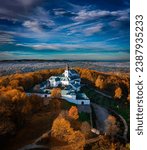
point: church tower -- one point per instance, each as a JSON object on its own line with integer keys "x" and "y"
{"x": 66, "y": 73}
{"x": 67, "y": 67}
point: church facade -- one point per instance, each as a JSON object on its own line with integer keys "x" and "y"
{"x": 70, "y": 77}
{"x": 69, "y": 82}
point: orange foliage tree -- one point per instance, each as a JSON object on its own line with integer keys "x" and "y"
{"x": 73, "y": 112}
{"x": 100, "y": 82}
{"x": 86, "y": 129}
{"x": 86, "y": 74}
{"x": 55, "y": 104}
{"x": 118, "y": 93}
{"x": 36, "y": 102}
{"x": 78, "y": 139}
{"x": 14, "y": 83}
{"x": 128, "y": 98}
{"x": 15, "y": 105}
{"x": 61, "y": 129}
{"x": 111, "y": 126}
{"x": 56, "y": 92}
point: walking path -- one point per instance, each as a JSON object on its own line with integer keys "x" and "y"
{"x": 106, "y": 95}
{"x": 125, "y": 124}
{"x": 34, "y": 146}
{"x": 101, "y": 115}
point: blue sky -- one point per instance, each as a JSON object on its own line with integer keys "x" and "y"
{"x": 65, "y": 29}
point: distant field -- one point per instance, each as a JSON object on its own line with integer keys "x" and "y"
{"x": 10, "y": 67}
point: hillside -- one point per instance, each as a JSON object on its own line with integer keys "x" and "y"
{"x": 19, "y": 112}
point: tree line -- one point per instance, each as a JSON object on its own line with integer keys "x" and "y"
{"x": 15, "y": 105}
{"x": 116, "y": 85}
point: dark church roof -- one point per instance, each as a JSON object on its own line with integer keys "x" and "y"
{"x": 73, "y": 71}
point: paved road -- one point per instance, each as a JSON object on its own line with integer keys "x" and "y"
{"x": 101, "y": 116}
{"x": 84, "y": 108}
{"x": 34, "y": 146}
{"x": 106, "y": 95}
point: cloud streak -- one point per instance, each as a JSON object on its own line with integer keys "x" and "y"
{"x": 93, "y": 46}
{"x": 92, "y": 30}
{"x": 86, "y": 15}
{"x": 32, "y": 25}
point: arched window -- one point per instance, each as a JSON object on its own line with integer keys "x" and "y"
{"x": 82, "y": 103}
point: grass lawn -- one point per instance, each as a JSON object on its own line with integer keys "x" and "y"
{"x": 66, "y": 105}
{"x": 83, "y": 116}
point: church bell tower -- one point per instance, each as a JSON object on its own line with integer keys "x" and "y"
{"x": 67, "y": 71}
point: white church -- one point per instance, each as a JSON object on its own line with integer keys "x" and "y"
{"x": 70, "y": 84}
{"x": 69, "y": 78}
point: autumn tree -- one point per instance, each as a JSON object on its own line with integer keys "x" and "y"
{"x": 36, "y": 88}
{"x": 86, "y": 129}
{"x": 118, "y": 93}
{"x": 56, "y": 92}
{"x": 36, "y": 102}
{"x": 14, "y": 95}
{"x": 61, "y": 129}
{"x": 103, "y": 143}
{"x": 78, "y": 139}
{"x": 106, "y": 143}
{"x": 27, "y": 108}
{"x": 7, "y": 125}
{"x": 86, "y": 74}
{"x": 64, "y": 114}
{"x": 55, "y": 104}
{"x": 128, "y": 98}
{"x": 14, "y": 83}
{"x": 73, "y": 112}
{"x": 12, "y": 101}
{"x": 100, "y": 82}
{"x": 5, "y": 81}
{"x": 111, "y": 126}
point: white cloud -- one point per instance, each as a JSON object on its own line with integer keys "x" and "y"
{"x": 87, "y": 29}
{"x": 85, "y": 15}
{"x": 32, "y": 25}
{"x": 17, "y": 9}
{"x": 43, "y": 17}
{"x": 6, "y": 39}
{"x": 114, "y": 24}
{"x": 59, "y": 11}
{"x": 93, "y": 46}
{"x": 39, "y": 18}
{"x": 92, "y": 30}
{"x": 67, "y": 26}
{"x": 6, "y": 55}
{"x": 123, "y": 18}
{"x": 114, "y": 38}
